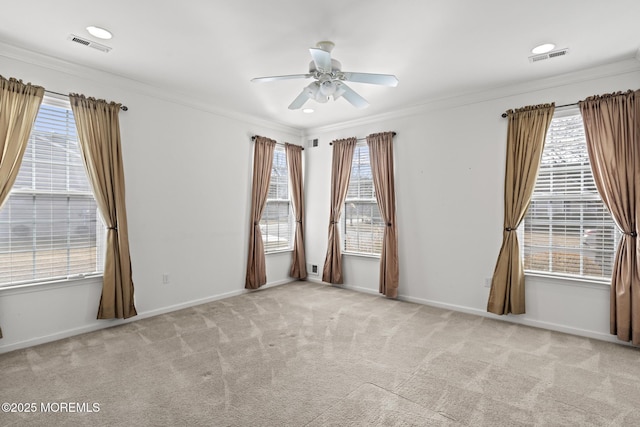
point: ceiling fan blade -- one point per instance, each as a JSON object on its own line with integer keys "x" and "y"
{"x": 300, "y": 100}
{"x": 274, "y": 78}
{"x": 351, "y": 96}
{"x": 322, "y": 59}
{"x": 374, "y": 79}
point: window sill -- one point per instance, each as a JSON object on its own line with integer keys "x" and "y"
{"x": 360, "y": 255}
{"x": 279, "y": 251}
{"x": 571, "y": 280}
{"x": 50, "y": 284}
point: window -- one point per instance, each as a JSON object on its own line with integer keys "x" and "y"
{"x": 567, "y": 229}
{"x": 50, "y": 228}
{"x": 276, "y": 223}
{"x": 362, "y": 224}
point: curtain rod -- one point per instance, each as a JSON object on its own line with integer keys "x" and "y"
{"x": 253, "y": 138}
{"x": 122, "y": 107}
{"x": 364, "y": 139}
{"x": 557, "y": 106}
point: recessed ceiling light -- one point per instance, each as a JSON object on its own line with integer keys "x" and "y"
{"x": 307, "y": 110}
{"x": 543, "y": 48}
{"x": 100, "y": 33}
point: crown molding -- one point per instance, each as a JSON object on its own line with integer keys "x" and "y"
{"x": 97, "y": 76}
{"x": 101, "y": 77}
{"x": 626, "y": 66}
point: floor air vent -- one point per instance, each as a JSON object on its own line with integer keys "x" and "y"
{"x": 89, "y": 43}
{"x": 549, "y": 55}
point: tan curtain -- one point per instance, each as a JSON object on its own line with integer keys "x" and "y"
{"x": 612, "y": 130}
{"x": 19, "y": 105}
{"x": 526, "y": 134}
{"x": 99, "y": 139}
{"x": 381, "y": 155}
{"x": 340, "y": 174}
{"x": 294, "y": 164}
{"x": 262, "y": 164}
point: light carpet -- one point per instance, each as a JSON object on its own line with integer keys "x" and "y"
{"x": 306, "y": 354}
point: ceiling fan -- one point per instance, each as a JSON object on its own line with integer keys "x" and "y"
{"x": 329, "y": 79}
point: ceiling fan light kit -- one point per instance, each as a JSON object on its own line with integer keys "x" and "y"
{"x": 329, "y": 79}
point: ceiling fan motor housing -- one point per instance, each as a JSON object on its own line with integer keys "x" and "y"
{"x": 336, "y": 66}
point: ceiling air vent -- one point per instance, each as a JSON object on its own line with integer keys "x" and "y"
{"x": 549, "y": 55}
{"x": 89, "y": 43}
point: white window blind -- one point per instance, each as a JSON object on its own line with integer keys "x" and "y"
{"x": 276, "y": 223}
{"x": 50, "y": 228}
{"x": 567, "y": 229}
{"x": 362, "y": 224}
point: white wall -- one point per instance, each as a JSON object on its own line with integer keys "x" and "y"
{"x": 449, "y": 161}
{"x": 188, "y": 178}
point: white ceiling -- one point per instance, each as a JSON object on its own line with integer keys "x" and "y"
{"x": 209, "y": 50}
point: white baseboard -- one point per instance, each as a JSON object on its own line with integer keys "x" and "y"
{"x": 272, "y": 284}
{"x": 103, "y": 324}
{"x": 359, "y": 289}
{"x": 469, "y": 310}
{"x": 507, "y": 318}
{"x": 516, "y": 319}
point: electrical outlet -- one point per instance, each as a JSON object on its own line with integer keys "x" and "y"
{"x": 165, "y": 278}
